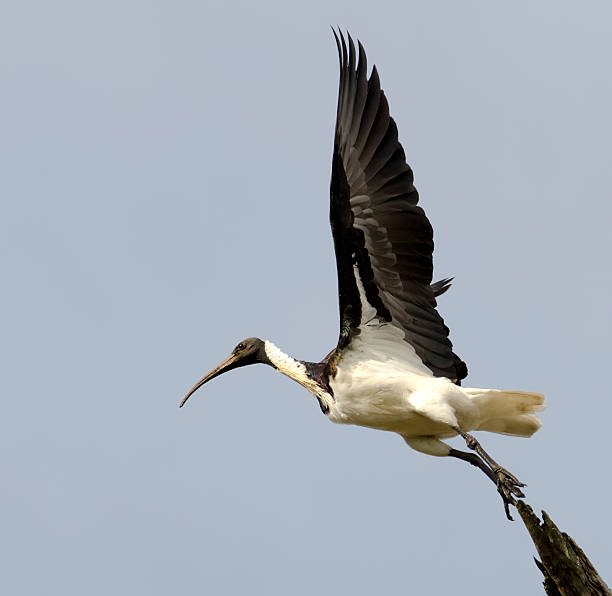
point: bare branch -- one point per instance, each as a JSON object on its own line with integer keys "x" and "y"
{"x": 567, "y": 570}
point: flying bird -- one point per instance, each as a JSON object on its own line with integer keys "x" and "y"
{"x": 393, "y": 367}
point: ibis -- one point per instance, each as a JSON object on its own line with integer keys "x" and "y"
{"x": 393, "y": 368}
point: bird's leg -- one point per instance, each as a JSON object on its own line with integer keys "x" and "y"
{"x": 501, "y": 473}
{"x": 473, "y": 459}
{"x": 507, "y": 484}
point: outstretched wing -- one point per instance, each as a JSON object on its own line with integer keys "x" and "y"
{"x": 383, "y": 240}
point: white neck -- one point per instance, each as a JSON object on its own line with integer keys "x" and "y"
{"x": 295, "y": 370}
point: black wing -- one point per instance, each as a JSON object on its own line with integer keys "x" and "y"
{"x": 383, "y": 240}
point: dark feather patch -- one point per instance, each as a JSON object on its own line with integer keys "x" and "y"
{"x": 377, "y": 225}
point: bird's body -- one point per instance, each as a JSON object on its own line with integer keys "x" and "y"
{"x": 388, "y": 396}
{"x": 379, "y": 385}
{"x": 393, "y": 367}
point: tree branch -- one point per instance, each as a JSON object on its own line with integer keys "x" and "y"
{"x": 567, "y": 570}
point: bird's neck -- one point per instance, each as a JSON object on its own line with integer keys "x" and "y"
{"x": 287, "y": 365}
{"x": 296, "y": 370}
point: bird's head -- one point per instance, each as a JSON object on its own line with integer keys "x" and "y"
{"x": 249, "y": 351}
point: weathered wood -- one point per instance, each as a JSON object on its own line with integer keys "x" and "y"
{"x": 567, "y": 570}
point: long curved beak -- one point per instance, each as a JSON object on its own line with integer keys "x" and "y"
{"x": 227, "y": 364}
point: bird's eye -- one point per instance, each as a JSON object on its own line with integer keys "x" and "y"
{"x": 240, "y": 346}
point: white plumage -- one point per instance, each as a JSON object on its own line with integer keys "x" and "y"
{"x": 379, "y": 385}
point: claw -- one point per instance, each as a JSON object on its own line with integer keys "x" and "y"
{"x": 507, "y": 510}
{"x": 508, "y": 485}
{"x": 501, "y": 472}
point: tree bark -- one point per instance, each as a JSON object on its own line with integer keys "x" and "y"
{"x": 567, "y": 570}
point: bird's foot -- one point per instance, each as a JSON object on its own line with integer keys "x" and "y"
{"x": 508, "y": 486}
{"x": 509, "y": 481}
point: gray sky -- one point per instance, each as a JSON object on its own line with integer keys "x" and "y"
{"x": 164, "y": 185}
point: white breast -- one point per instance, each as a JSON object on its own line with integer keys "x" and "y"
{"x": 381, "y": 383}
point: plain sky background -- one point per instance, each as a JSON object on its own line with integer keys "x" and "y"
{"x": 164, "y": 175}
